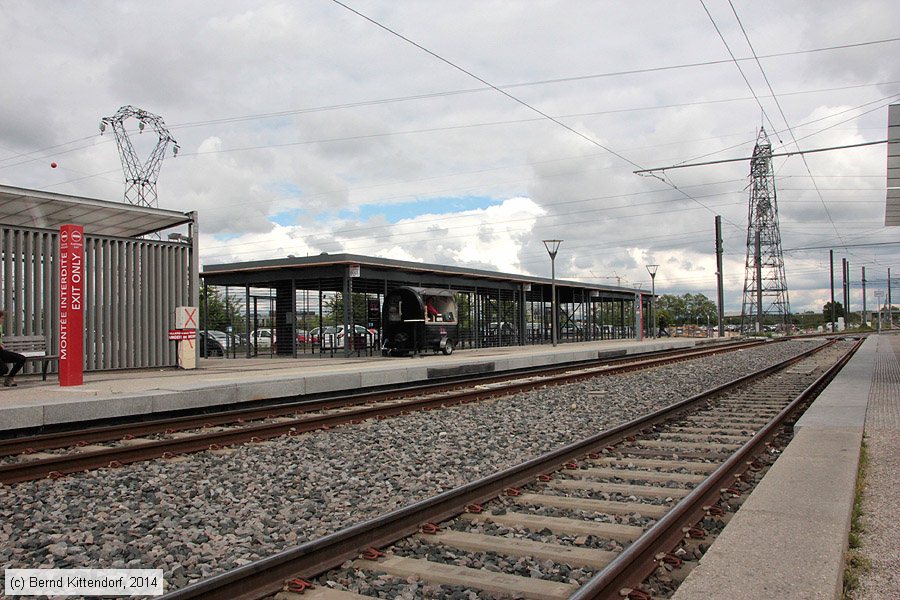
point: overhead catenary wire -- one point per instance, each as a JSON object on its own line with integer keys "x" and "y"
{"x": 747, "y": 158}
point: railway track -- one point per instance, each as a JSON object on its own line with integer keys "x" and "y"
{"x": 59, "y": 454}
{"x": 590, "y": 520}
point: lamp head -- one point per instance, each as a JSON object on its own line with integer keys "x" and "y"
{"x": 552, "y": 247}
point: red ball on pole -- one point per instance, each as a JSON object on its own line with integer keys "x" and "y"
{"x": 52, "y": 165}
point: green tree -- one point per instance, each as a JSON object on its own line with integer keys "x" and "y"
{"x": 838, "y": 311}
{"x": 216, "y": 313}
{"x": 673, "y": 307}
{"x": 686, "y": 309}
{"x": 333, "y": 309}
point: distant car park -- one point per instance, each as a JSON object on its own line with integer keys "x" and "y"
{"x": 333, "y": 337}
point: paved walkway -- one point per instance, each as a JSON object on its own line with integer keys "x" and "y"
{"x": 789, "y": 537}
{"x": 881, "y": 498}
{"x": 219, "y": 381}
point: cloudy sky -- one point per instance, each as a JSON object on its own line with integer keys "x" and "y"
{"x": 305, "y": 127}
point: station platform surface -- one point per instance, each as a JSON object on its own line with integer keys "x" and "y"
{"x": 229, "y": 381}
{"x": 788, "y": 539}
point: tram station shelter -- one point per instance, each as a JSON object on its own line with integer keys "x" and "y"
{"x": 134, "y": 278}
{"x": 292, "y": 296}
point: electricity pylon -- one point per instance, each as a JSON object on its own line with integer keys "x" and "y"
{"x": 765, "y": 286}
{"x": 140, "y": 179}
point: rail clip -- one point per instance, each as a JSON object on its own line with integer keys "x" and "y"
{"x": 694, "y": 533}
{"x": 372, "y": 554}
{"x": 430, "y": 528}
{"x": 298, "y": 586}
{"x": 669, "y": 559}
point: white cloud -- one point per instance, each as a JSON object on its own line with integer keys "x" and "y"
{"x": 335, "y": 141}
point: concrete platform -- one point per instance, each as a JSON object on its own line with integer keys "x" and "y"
{"x": 220, "y": 381}
{"x": 789, "y": 537}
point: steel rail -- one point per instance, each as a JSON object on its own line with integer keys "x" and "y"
{"x": 116, "y": 456}
{"x": 638, "y": 560}
{"x": 266, "y": 576}
{"x": 294, "y": 404}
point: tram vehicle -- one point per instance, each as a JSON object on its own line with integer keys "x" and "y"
{"x": 418, "y": 319}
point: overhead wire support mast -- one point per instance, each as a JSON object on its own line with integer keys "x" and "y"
{"x": 140, "y": 179}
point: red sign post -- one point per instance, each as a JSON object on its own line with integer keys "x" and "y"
{"x": 71, "y": 305}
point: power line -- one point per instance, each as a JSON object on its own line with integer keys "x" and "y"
{"x": 879, "y": 101}
{"x": 828, "y": 247}
{"x": 485, "y": 124}
{"x": 518, "y": 100}
{"x": 738, "y": 65}
{"x": 446, "y": 93}
{"x": 784, "y": 117}
{"x": 464, "y": 226}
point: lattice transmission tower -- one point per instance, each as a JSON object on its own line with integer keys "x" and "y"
{"x": 140, "y": 178}
{"x": 765, "y": 286}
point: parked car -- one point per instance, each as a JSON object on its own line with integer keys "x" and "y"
{"x": 210, "y": 346}
{"x": 262, "y": 338}
{"x": 316, "y": 333}
{"x": 221, "y": 337}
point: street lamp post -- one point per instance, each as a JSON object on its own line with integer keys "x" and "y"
{"x": 552, "y": 247}
{"x": 652, "y": 270}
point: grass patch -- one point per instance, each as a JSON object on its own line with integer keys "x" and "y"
{"x": 854, "y": 563}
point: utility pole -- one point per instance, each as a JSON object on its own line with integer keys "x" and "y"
{"x": 846, "y": 274}
{"x": 865, "y": 321}
{"x": 720, "y": 277}
{"x": 833, "y": 312}
{"x": 890, "y": 314}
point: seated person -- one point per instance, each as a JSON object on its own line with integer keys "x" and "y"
{"x": 430, "y": 310}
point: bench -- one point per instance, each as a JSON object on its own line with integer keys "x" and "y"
{"x": 32, "y": 347}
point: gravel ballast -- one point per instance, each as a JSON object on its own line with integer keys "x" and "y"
{"x": 206, "y": 513}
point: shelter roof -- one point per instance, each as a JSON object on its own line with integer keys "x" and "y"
{"x": 288, "y": 268}
{"x": 21, "y": 207}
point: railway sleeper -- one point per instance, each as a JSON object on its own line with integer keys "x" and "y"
{"x": 708, "y": 436}
{"x": 610, "y": 507}
{"x": 639, "y": 491}
{"x": 559, "y": 525}
{"x": 637, "y": 475}
{"x": 695, "y": 467}
{"x": 443, "y": 574}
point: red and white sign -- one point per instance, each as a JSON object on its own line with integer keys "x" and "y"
{"x": 71, "y": 305}
{"x": 178, "y": 335}
{"x": 186, "y": 317}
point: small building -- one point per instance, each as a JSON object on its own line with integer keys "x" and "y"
{"x": 290, "y": 295}
{"x": 133, "y": 281}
